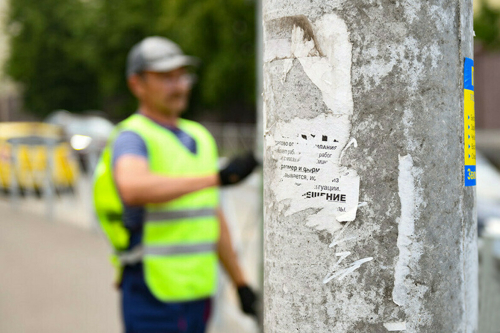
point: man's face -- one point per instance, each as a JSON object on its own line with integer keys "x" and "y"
{"x": 167, "y": 93}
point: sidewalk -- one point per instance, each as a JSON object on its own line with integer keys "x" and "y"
{"x": 489, "y": 288}
{"x": 55, "y": 278}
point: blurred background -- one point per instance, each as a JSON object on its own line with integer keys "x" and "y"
{"x": 62, "y": 89}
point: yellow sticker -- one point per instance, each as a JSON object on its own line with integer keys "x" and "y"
{"x": 469, "y": 125}
{"x": 469, "y": 128}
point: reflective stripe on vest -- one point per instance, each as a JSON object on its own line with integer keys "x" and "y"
{"x": 179, "y": 214}
{"x": 135, "y": 255}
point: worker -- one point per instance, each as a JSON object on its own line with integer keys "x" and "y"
{"x": 156, "y": 197}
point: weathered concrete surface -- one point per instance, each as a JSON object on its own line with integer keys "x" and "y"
{"x": 416, "y": 220}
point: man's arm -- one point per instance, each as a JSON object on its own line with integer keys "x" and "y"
{"x": 139, "y": 186}
{"x": 230, "y": 262}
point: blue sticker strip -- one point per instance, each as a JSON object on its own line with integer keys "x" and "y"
{"x": 469, "y": 74}
{"x": 470, "y": 175}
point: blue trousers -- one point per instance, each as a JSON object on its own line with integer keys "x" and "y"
{"x": 144, "y": 313}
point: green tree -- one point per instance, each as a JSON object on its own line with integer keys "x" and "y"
{"x": 120, "y": 24}
{"x": 72, "y": 54}
{"x": 221, "y": 33}
{"x": 487, "y": 26}
{"x": 48, "y": 55}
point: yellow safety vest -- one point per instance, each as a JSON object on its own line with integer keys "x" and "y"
{"x": 178, "y": 248}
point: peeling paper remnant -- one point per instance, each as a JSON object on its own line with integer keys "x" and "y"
{"x": 308, "y": 152}
{"x": 287, "y": 66}
{"x": 326, "y": 58}
{"x": 395, "y": 326}
{"x": 341, "y": 274}
{"x": 327, "y": 64}
{"x": 406, "y": 229}
{"x": 406, "y": 292}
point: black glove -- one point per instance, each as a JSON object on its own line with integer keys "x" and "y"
{"x": 248, "y": 300}
{"x": 238, "y": 169}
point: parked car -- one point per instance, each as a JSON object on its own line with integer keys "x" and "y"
{"x": 87, "y": 133}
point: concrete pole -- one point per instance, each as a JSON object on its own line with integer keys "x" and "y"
{"x": 259, "y": 74}
{"x": 259, "y": 146}
{"x": 369, "y": 226}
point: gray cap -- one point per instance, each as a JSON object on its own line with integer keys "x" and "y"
{"x": 157, "y": 54}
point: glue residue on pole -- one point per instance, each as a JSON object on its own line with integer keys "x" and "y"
{"x": 406, "y": 293}
{"x": 308, "y": 151}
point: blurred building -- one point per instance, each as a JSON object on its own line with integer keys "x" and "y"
{"x": 486, "y": 92}
{"x": 486, "y": 76}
